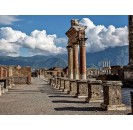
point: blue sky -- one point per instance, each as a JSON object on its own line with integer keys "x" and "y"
{"x": 58, "y": 25}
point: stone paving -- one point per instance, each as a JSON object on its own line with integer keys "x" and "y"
{"x": 39, "y": 98}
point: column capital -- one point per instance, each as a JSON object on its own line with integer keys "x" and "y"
{"x": 82, "y": 41}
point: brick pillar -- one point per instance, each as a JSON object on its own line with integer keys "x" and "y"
{"x": 112, "y": 96}
{"x": 75, "y": 61}
{"x": 82, "y": 59}
{"x": 70, "y": 62}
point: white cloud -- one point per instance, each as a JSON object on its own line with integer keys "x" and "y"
{"x": 8, "y": 19}
{"x": 38, "y": 42}
{"x": 41, "y": 43}
{"x": 100, "y": 37}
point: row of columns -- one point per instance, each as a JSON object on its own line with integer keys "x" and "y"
{"x": 108, "y": 93}
{"x": 73, "y": 66}
{"x": 76, "y": 35}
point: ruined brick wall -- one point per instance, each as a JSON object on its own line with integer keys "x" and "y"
{"x": 20, "y": 80}
{"x": 22, "y": 75}
{"x": 3, "y": 72}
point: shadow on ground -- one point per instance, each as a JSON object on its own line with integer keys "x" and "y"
{"x": 61, "y": 96}
{"x": 79, "y": 109}
{"x": 66, "y": 101}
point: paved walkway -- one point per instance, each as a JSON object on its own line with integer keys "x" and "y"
{"x": 39, "y": 98}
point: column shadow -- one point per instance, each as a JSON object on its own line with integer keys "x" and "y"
{"x": 79, "y": 109}
{"x": 66, "y": 101}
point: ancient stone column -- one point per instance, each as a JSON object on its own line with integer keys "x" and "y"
{"x": 82, "y": 59}
{"x": 70, "y": 62}
{"x": 75, "y": 61}
{"x": 112, "y": 96}
{"x": 130, "y": 38}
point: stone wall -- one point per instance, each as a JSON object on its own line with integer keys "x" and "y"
{"x": 20, "y": 80}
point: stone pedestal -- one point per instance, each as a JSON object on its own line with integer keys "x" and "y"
{"x": 50, "y": 81}
{"x": 73, "y": 87}
{"x": 66, "y": 85}
{"x": 61, "y": 84}
{"x": 132, "y": 101}
{"x": 82, "y": 89}
{"x": 112, "y": 96}
{"x": 95, "y": 91}
{"x": 55, "y": 82}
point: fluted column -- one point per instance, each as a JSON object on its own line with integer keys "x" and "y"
{"x": 82, "y": 59}
{"x": 70, "y": 62}
{"x": 75, "y": 61}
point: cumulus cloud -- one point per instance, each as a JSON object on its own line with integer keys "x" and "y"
{"x": 8, "y": 19}
{"x": 38, "y": 42}
{"x": 101, "y": 37}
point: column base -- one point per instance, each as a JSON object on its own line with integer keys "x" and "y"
{"x": 93, "y": 100}
{"x": 83, "y": 77}
{"x": 71, "y": 76}
{"x": 81, "y": 96}
{"x": 120, "y": 107}
{"x": 73, "y": 93}
{"x": 65, "y": 90}
{"x": 76, "y": 77}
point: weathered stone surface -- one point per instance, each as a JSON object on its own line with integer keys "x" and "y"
{"x": 73, "y": 87}
{"x": 20, "y": 80}
{"x": 58, "y": 82}
{"x": 95, "y": 91}
{"x": 66, "y": 85}
{"x": 61, "y": 84}
{"x": 82, "y": 89}
{"x": 112, "y": 96}
{"x": 70, "y": 62}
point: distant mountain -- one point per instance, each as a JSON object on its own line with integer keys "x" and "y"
{"x": 116, "y": 55}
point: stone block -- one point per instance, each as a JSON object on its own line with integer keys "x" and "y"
{"x": 112, "y": 96}
{"x": 58, "y": 82}
{"x": 95, "y": 91}
{"x": 73, "y": 87}
{"x": 61, "y": 84}
{"x": 66, "y": 85}
{"x": 82, "y": 89}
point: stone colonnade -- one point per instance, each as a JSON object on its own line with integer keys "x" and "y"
{"x": 108, "y": 93}
{"x": 76, "y": 35}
